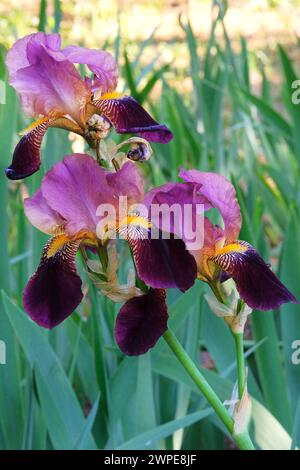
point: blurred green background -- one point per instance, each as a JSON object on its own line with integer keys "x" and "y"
{"x": 219, "y": 74}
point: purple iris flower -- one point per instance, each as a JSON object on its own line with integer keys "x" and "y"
{"x": 53, "y": 92}
{"x": 65, "y": 207}
{"x": 223, "y": 255}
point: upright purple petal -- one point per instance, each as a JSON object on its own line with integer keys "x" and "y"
{"x": 257, "y": 284}
{"x": 141, "y": 322}
{"x": 74, "y": 188}
{"x": 54, "y": 291}
{"x": 52, "y": 41}
{"x": 101, "y": 63}
{"x": 128, "y": 182}
{"x": 26, "y": 158}
{"x": 18, "y": 57}
{"x": 128, "y": 116}
{"x": 172, "y": 193}
{"x": 41, "y": 215}
{"x": 48, "y": 85}
{"x": 178, "y": 208}
{"x": 222, "y": 196}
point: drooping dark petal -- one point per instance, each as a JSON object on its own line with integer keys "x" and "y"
{"x": 163, "y": 262}
{"x": 128, "y": 116}
{"x": 54, "y": 291}
{"x": 141, "y": 322}
{"x": 258, "y": 286}
{"x": 26, "y": 157}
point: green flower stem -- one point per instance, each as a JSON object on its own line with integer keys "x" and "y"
{"x": 98, "y": 156}
{"x": 243, "y": 440}
{"x": 239, "y": 344}
{"x": 239, "y": 347}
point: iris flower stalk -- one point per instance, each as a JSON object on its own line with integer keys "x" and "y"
{"x": 66, "y": 208}
{"x": 236, "y": 323}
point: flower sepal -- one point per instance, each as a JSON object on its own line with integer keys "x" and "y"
{"x": 139, "y": 151}
{"x": 235, "y": 311}
{"x": 240, "y": 410}
{"x": 107, "y": 280}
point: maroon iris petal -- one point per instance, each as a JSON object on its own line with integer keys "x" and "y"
{"x": 224, "y": 276}
{"x": 141, "y": 322}
{"x": 54, "y": 291}
{"x": 128, "y": 116}
{"x": 26, "y": 158}
{"x": 164, "y": 263}
{"x": 258, "y": 286}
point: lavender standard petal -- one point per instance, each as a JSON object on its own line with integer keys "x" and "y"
{"x": 221, "y": 195}
{"x": 101, "y": 63}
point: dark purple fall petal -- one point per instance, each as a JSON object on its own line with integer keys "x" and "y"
{"x": 164, "y": 263}
{"x": 141, "y": 322}
{"x": 258, "y": 286}
{"x": 26, "y": 157}
{"x": 128, "y": 116}
{"x": 54, "y": 291}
